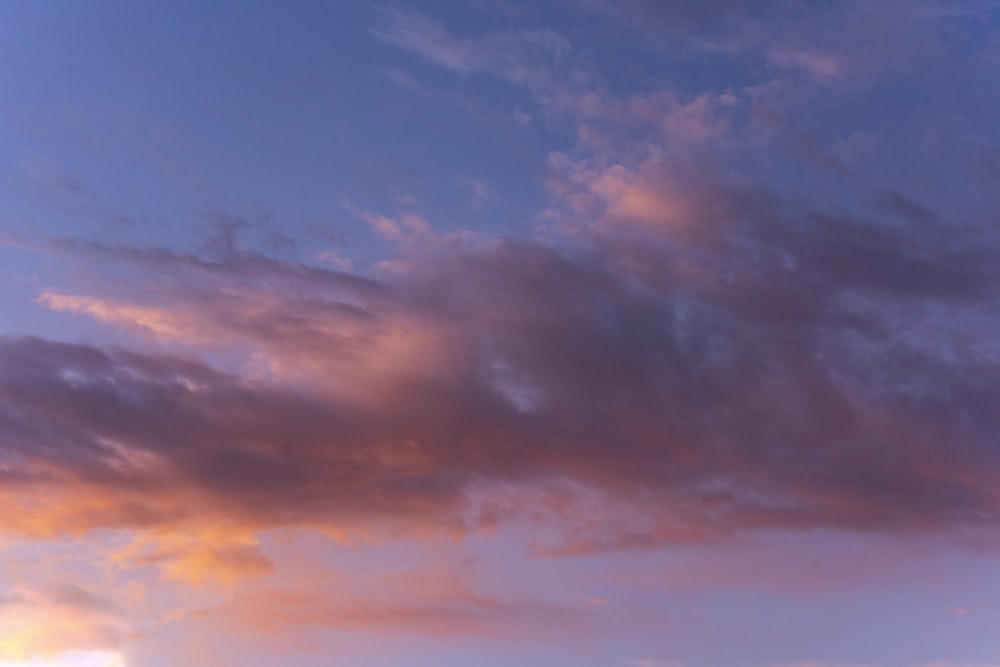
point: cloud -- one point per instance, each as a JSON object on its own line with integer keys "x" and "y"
{"x": 683, "y": 395}
{"x": 541, "y": 60}
{"x": 319, "y": 604}
{"x": 652, "y": 662}
{"x": 479, "y": 191}
{"x": 414, "y": 31}
{"x": 759, "y": 314}
{"x": 818, "y": 65}
{"x": 207, "y": 554}
{"x": 48, "y": 621}
{"x": 852, "y": 45}
{"x": 737, "y": 326}
{"x": 721, "y": 342}
{"x": 278, "y": 612}
{"x": 408, "y": 226}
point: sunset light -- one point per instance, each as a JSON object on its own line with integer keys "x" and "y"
{"x": 70, "y": 659}
{"x": 500, "y": 333}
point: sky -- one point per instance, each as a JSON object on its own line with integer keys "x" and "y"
{"x": 575, "y": 333}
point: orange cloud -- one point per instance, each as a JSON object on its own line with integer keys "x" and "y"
{"x": 38, "y": 623}
{"x": 155, "y": 320}
{"x": 681, "y": 386}
{"x": 212, "y": 554}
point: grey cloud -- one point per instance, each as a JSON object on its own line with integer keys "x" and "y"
{"x": 774, "y": 400}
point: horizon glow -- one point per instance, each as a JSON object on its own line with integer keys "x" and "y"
{"x": 70, "y": 659}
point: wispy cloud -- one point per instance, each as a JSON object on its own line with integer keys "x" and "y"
{"x": 417, "y": 32}
{"x": 480, "y": 192}
{"x": 397, "y": 375}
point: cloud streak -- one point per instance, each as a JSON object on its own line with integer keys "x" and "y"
{"x": 699, "y": 397}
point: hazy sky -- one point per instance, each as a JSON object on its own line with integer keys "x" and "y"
{"x": 582, "y": 333}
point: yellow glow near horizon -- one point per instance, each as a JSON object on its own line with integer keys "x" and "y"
{"x": 70, "y": 659}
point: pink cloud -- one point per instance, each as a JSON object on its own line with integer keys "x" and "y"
{"x": 46, "y": 622}
{"x": 683, "y": 397}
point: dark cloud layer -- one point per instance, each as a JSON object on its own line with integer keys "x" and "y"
{"x": 741, "y": 322}
{"x": 802, "y": 374}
